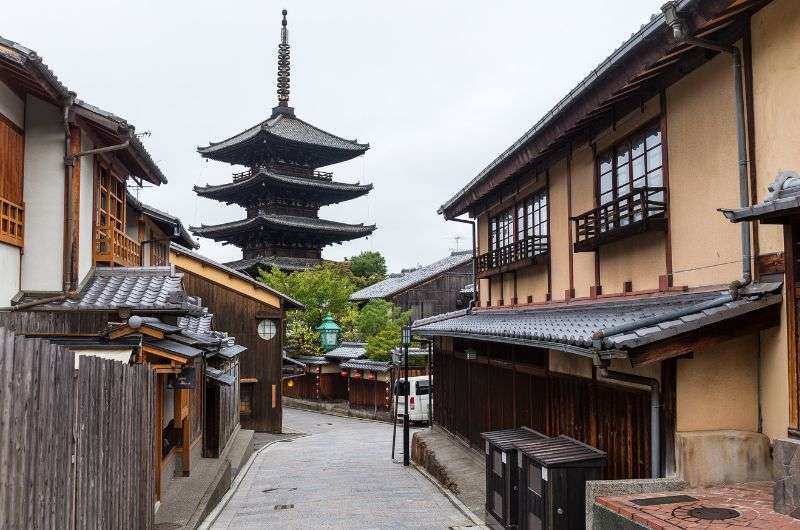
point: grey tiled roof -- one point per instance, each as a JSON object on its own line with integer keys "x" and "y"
{"x": 139, "y": 288}
{"x": 311, "y": 359}
{"x": 348, "y": 350}
{"x": 288, "y": 128}
{"x": 157, "y": 215}
{"x": 251, "y": 265}
{"x": 782, "y": 201}
{"x": 394, "y": 284}
{"x": 290, "y": 302}
{"x": 196, "y": 324}
{"x": 366, "y": 364}
{"x": 342, "y": 231}
{"x": 326, "y": 191}
{"x": 574, "y": 325}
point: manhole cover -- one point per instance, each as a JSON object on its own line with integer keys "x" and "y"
{"x": 669, "y": 499}
{"x": 706, "y": 513}
{"x": 283, "y": 506}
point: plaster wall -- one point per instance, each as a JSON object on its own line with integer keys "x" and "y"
{"x": 582, "y": 187}
{"x": 717, "y": 389}
{"x": 86, "y": 219}
{"x": 703, "y": 173}
{"x": 42, "y": 262}
{"x": 774, "y": 378}
{"x": 11, "y": 106}
{"x": 776, "y": 73}
{"x": 639, "y": 259}
{"x": 9, "y": 279}
{"x": 532, "y": 281}
{"x": 559, "y": 230}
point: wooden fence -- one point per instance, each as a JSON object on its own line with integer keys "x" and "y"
{"x": 76, "y": 449}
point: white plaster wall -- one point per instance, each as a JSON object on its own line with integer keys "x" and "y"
{"x": 85, "y": 244}
{"x": 42, "y": 262}
{"x": 9, "y": 273}
{"x": 11, "y": 106}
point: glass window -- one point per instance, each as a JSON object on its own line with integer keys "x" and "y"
{"x": 501, "y": 229}
{"x": 423, "y": 388}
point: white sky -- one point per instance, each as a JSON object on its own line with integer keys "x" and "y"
{"x": 438, "y": 89}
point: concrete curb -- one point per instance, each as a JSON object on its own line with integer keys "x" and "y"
{"x": 452, "y": 498}
{"x": 215, "y": 513}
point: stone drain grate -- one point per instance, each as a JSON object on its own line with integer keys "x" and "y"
{"x": 706, "y": 513}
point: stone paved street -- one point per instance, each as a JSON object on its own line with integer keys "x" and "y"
{"x": 339, "y": 476}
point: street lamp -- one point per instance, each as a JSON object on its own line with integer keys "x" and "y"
{"x": 405, "y": 340}
{"x": 329, "y": 333}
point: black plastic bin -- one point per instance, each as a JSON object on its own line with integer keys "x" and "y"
{"x": 501, "y": 472}
{"x": 552, "y": 482}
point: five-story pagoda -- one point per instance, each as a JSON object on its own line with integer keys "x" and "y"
{"x": 282, "y": 191}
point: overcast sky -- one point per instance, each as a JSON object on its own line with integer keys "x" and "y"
{"x": 437, "y": 88}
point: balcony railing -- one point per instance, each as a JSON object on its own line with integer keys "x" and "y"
{"x": 528, "y": 251}
{"x": 243, "y": 175}
{"x": 115, "y": 248}
{"x": 12, "y": 223}
{"x": 640, "y": 211}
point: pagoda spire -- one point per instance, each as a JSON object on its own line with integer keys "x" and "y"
{"x": 283, "y": 65}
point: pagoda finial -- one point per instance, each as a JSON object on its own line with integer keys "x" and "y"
{"x": 283, "y": 65}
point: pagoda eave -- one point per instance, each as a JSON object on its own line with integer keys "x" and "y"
{"x": 281, "y": 227}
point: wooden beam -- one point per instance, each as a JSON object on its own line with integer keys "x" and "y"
{"x": 706, "y": 336}
{"x": 161, "y": 353}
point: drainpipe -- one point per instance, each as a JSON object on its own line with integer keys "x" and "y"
{"x": 474, "y": 262}
{"x": 681, "y": 34}
{"x": 69, "y": 164}
{"x": 655, "y": 411}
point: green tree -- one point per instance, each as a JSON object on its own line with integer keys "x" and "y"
{"x": 368, "y": 267}
{"x": 380, "y": 345}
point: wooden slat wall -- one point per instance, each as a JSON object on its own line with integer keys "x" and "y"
{"x": 12, "y": 146}
{"x": 475, "y": 396}
{"x": 236, "y": 314}
{"x": 229, "y": 406}
{"x": 303, "y": 387}
{"x": 114, "y": 458}
{"x": 332, "y": 387}
{"x": 58, "y": 322}
{"x": 109, "y": 407}
{"x": 364, "y": 394}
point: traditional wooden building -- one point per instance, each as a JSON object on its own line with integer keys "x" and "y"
{"x": 282, "y": 189}
{"x": 254, "y": 313}
{"x": 615, "y": 304}
{"x": 425, "y": 291}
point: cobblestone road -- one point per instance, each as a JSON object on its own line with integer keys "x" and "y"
{"x": 339, "y": 475}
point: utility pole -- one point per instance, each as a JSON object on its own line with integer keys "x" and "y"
{"x": 406, "y": 387}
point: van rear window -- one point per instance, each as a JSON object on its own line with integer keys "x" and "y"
{"x": 423, "y": 388}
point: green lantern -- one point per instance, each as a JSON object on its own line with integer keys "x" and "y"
{"x": 329, "y": 333}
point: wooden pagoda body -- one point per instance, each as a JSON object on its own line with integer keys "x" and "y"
{"x": 282, "y": 191}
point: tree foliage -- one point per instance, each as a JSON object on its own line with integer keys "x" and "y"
{"x": 368, "y": 264}
{"x": 327, "y": 288}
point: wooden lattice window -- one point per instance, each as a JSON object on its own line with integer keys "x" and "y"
{"x": 12, "y": 214}
{"x": 110, "y": 201}
{"x": 501, "y": 229}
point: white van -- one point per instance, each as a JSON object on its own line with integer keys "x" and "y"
{"x": 418, "y": 398}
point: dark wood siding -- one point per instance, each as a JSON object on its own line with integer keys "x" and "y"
{"x": 305, "y": 386}
{"x": 495, "y": 392}
{"x": 371, "y": 395}
{"x": 437, "y": 295}
{"x": 237, "y": 314}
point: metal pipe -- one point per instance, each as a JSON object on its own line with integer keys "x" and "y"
{"x": 69, "y": 165}
{"x": 474, "y": 261}
{"x": 655, "y": 412}
{"x": 664, "y": 317}
{"x": 679, "y": 30}
{"x": 106, "y": 149}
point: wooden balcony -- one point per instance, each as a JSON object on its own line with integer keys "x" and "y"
{"x": 529, "y": 251}
{"x": 12, "y": 223}
{"x": 114, "y": 248}
{"x": 642, "y": 210}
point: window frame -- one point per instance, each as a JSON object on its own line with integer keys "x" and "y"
{"x": 526, "y": 218}
{"x": 612, "y": 153}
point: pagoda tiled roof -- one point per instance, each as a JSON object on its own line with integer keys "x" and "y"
{"x": 330, "y": 230}
{"x": 325, "y": 191}
{"x": 284, "y": 129}
{"x": 285, "y": 263}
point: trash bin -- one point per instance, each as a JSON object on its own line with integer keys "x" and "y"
{"x": 501, "y": 472}
{"x": 552, "y": 482}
